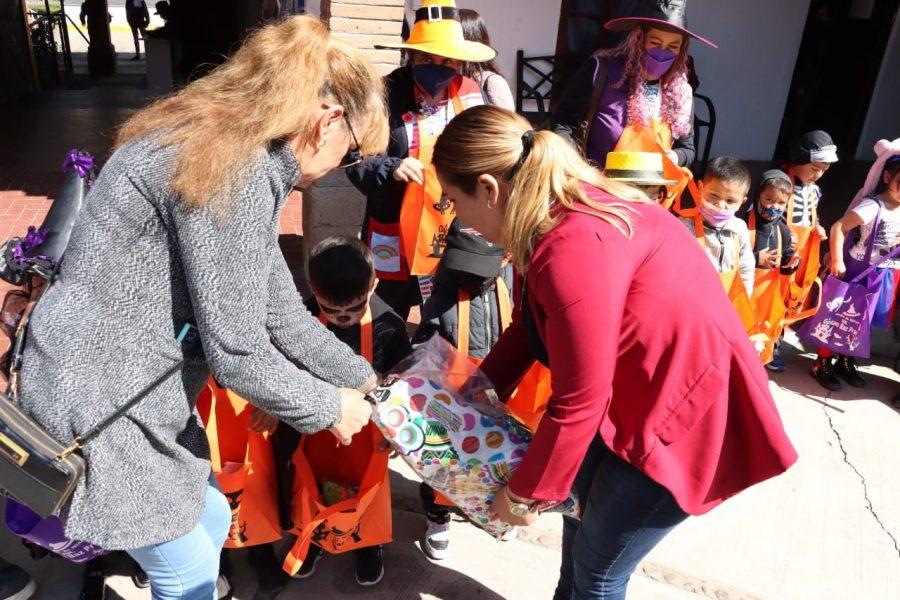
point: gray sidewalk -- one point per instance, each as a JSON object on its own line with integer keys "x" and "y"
{"x": 825, "y": 530}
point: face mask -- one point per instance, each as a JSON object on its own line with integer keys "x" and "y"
{"x": 433, "y": 78}
{"x": 771, "y": 213}
{"x": 657, "y": 61}
{"x": 715, "y": 217}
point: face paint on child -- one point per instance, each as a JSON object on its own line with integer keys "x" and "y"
{"x": 345, "y": 316}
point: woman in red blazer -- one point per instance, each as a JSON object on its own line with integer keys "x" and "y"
{"x": 660, "y": 406}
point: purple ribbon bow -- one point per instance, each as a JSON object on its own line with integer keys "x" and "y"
{"x": 21, "y": 253}
{"x": 82, "y": 162}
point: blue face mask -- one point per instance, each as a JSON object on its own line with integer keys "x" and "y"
{"x": 434, "y": 79}
{"x": 772, "y": 213}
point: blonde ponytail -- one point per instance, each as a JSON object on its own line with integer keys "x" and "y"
{"x": 489, "y": 140}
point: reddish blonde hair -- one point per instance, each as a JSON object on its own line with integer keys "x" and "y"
{"x": 266, "y": 91}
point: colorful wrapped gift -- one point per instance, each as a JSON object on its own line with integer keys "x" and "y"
{"x": 440, "y": 416}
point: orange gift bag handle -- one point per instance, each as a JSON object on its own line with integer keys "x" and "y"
{"x": 244, "y": 466}
{"x": 364, "y": 520}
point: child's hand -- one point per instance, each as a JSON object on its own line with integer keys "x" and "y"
{"x": 768, "y": 259}
{"x": 410, "y": 169}
{"x": 794, "y": 262}
{"x": 822, "y": 233}
{"x": 838, "y": 268}
{"x": 261, "y": 421}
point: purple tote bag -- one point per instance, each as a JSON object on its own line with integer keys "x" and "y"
{"x": 47, "y": 533}
{"x": 844, "y": 321}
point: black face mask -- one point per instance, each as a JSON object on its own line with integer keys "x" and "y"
{"x": 434, "y": 79}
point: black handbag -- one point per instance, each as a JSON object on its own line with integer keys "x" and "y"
{"x": 38, "y": 470}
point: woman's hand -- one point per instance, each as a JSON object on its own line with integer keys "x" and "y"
{"x": 261, "y": 421}
{"x": 673, "y": 156}
{"x": 410, "y": 169}
{"x": 822, "y": 233}
{"x": 499, "y": 509}
{"x": 355, "y": 413}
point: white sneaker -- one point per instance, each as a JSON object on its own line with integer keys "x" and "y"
{"x": 223, "y": 588}
{"x": 436, "y": 543}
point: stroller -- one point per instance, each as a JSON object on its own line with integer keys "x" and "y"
{"x": 32, "y": 262}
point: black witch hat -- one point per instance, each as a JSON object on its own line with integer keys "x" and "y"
{"x": 669, "y": 15}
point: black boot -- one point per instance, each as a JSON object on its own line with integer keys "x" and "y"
{"x": 93, "y": 586}
{"x": 845, "y": 368}
{"x": 823, "y": 372}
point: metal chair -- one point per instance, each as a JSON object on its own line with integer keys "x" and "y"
{"x": 534, "y": 85}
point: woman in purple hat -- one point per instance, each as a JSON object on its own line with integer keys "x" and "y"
{"x": 635, "y": 97}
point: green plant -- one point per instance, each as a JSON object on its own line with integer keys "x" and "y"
{"x": 39, "y": 7}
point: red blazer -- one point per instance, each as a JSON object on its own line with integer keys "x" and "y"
{"x": 644, "y": 348}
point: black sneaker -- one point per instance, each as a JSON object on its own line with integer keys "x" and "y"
{"x": 823, "y": 372}
{"x": 15, "y": 583}
{"x": 845, "y": 368}
{"x": 94, "y": 585}
{"x": 308, "y": 568}
{"x": 140, "y": 580}
{"x": 776, "y": 365}
{"x": 369, "y": 567}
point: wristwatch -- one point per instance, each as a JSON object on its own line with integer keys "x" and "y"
{"x": 518, "y": 509}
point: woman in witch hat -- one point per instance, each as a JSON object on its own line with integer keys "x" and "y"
{"x": 635, "y": 97}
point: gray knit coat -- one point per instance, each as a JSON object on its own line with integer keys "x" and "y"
{"x": 141, "y": 263}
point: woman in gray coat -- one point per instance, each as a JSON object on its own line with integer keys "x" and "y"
{"x": 182, "y": 227}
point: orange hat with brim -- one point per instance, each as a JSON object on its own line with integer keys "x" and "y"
{"x": 438, "y": 31}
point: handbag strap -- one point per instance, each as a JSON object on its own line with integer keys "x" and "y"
{"x": 599, "y": 84}
{"x": 870, "y": 243}
{"x": 97, "y": 429}
{"x": 894, "y": 253}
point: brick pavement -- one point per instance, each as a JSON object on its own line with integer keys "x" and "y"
{"x": 39, "y": 132}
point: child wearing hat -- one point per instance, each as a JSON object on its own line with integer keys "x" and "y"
{"x": 642, "y": 170}
{"x": 471, "y": 275}
{"x": 771, "y": 237}
{"x": 811, "y": 157}
{"x": 407, "y": 218}
{"x": 878, "y": 200}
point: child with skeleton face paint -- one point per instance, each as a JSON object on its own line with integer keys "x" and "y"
{"x": 341, "y": 273}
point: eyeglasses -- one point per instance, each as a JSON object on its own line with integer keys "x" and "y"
{"x": 353, "y": 156}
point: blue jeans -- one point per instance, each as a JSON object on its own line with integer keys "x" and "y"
{"x": 187, "y": 567}
{"x": 625, "y": 515}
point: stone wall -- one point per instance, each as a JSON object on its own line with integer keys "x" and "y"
{"x": 17, "y": 76}
{"x": 335, "y": 207}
